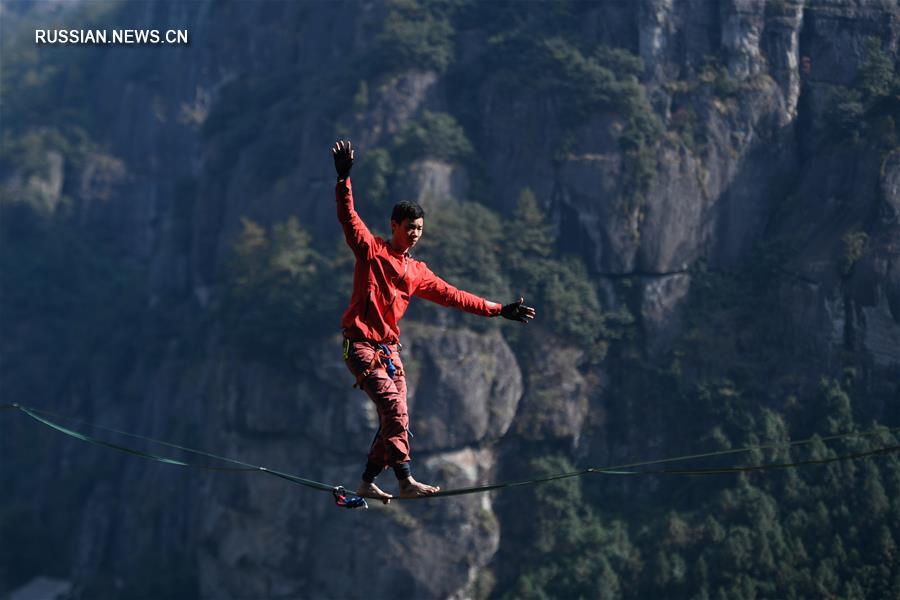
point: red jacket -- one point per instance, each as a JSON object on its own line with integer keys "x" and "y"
{"x": 384, "y": 280}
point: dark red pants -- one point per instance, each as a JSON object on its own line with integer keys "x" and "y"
{"x": 391, "y": 445}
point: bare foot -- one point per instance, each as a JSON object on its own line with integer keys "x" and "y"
{"x": 410, "y": 488}
{"x": 370, "y": 490}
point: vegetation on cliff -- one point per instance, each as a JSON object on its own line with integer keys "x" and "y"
{"x": 868, "y": 109}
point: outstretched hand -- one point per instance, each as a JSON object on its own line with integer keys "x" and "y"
{"x": 517, "y": 311}
{"x": 343, "y": 158}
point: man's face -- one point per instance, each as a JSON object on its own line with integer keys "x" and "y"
{"x": 405, "y": 234}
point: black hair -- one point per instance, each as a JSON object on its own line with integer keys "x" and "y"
{"x": 405, "y": 209}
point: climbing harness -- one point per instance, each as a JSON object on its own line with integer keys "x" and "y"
{"x": 381, "y": 360}
{"x": 346, "y": 499}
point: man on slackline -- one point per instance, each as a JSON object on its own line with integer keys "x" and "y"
{"x": 384, "y": 279}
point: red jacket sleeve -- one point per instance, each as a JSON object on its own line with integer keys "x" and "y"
{"x": 358, "y": 236}
{"x": 433, "y": 288}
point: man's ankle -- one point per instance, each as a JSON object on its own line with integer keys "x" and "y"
{"x": 371, "y": 472}
{"x": 401, "y": 470}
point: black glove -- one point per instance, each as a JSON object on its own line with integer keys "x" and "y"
{"x": 343, "y": 158}
{"x": 517, "y": 311}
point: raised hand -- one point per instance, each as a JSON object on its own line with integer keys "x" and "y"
{"x": 343, "y": 158}
{"x": 517, "y": 311}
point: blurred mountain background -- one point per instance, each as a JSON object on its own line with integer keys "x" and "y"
{"x": 702, "y": 199}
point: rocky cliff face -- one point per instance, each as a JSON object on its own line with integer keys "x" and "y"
{"x": 737, "y": 87}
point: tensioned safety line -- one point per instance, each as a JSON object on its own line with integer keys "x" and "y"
{"x": 244, "y": 466}
{"x": 721, "y": 471}
{"x": 623, "y": 469}
{"x": 626, "y": 468}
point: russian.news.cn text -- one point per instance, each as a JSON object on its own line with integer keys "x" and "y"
{"x": 111, "y": 36}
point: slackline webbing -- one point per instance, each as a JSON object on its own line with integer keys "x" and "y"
{"x": 623, "y": 469}
{"x": 31, "y": 412}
